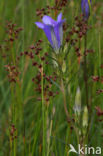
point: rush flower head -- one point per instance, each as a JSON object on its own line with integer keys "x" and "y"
{"x": 53, "y": 30}
{"x": 85, "y": 8}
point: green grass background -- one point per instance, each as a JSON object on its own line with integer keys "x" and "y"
{"x": 29, "y": 122}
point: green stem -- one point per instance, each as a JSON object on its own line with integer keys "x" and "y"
{"x": 13, "y": 145}
{"x": 86, "y": 86}
{"x": 43, "y": 114}
{"x": 64, "y": 99}
{"x": 50, "y": 130}
{"x": 85, "y": 71}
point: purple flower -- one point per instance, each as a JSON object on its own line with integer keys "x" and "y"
{"x": 85, "y": 8}
{"x": 53, "y": 30}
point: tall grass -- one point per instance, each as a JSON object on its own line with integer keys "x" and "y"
{"x": 40, "y": 126}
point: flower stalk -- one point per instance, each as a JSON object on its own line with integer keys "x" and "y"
{"x": 43, "y": 114}
{"x": 85, "y": 70}
{"x": 64, "y": 99}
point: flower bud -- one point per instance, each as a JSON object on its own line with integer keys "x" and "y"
{"x": 63, "y": 67}
{"x": 77, "y": 106}
{"x": 85, "y": 120}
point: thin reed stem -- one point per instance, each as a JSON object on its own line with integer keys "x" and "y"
{"x": 43, "y": 114}
{"x": 86, "y": 85}
{"x": 64, "y": 99}
{"x": 14, "y": 142}
{"x": 85, "y": 71}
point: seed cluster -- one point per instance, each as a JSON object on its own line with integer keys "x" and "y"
{"x": 8, "y": 53}
{"x": 13, "y": 31}
{"x": 99, "y": 113}
{"x": 37, "y": 58}
{"x": 13, "y": 73}
{"x": 12, "y": 34}
{"x": 98, "y": 79}
{"x": 48, "y": 79}
{"x": 59, "y": 5}
{"x": 38, "y": 61}
{"x": 13, "y": 132}
{"x": 47, "y": 85}
{"x": 77, "y": 33}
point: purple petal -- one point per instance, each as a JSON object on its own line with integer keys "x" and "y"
{"x": 54, "y": 40}
{"x": 53, "y": 30}
{"x": 58, "y": 29}
{"x": 47, "y": 29}
{"x": 40, "y": 25}
{"x": 50, "y": 34}
{"x": 59, "y": 18}
{"x": 48, "y": 20}
{"x": 62, "y": 21}
{"x": 85, "y": 8}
